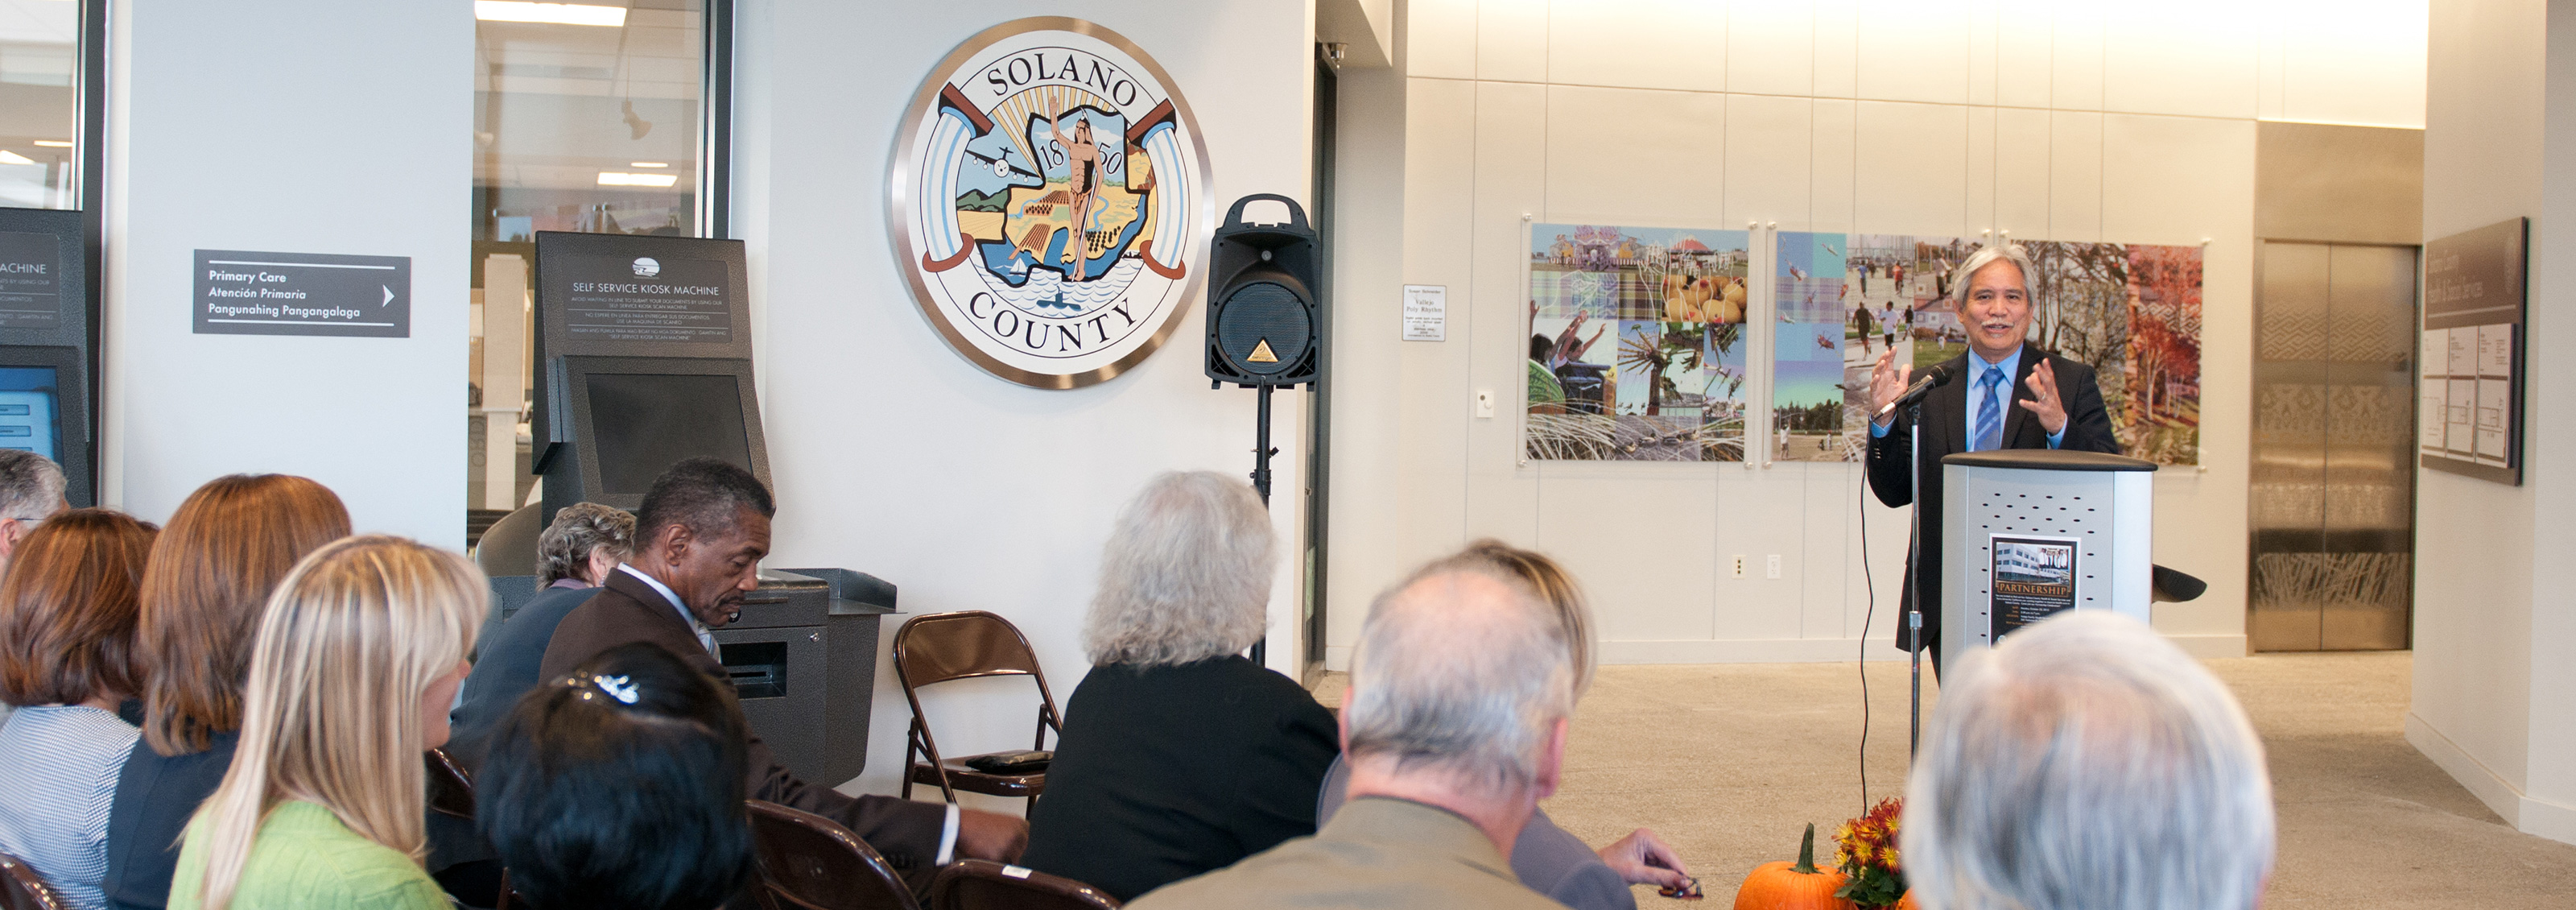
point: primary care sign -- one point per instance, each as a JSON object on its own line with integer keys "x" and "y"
{"x": 1050, "y": 202}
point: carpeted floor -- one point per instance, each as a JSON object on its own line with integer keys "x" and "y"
{"x": 1729, "y": 762}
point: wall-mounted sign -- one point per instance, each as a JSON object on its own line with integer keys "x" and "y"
{"x": 1426, "y": 312}
{"x": 2470, "y": 421}
{"x": 247, "y": 293}
{"x": 1050, "y": 203}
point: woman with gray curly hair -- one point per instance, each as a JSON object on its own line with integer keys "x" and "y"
{"x": 1179, "y": 755}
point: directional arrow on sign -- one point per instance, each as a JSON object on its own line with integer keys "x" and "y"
{"x": 389, "y": 296}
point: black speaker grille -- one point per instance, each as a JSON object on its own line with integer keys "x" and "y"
{"x": 1263, "y": 311}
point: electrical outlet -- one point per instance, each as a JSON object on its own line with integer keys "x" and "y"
{"x": 1739, "y": 565}
{"x": 1771, "y": 566}
{"x": 1484, "y": 404}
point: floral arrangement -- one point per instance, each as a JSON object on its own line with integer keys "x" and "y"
{"x": 1865, "y": 852}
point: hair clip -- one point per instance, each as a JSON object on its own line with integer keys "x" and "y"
{"x": 617, "y": 687}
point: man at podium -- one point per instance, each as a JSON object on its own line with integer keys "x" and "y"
{"x": 2001, "y": 394}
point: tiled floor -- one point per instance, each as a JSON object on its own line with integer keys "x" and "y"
{"x": 1729, "y": 763}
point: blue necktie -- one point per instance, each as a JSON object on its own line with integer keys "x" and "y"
{"x": 1990, "y": 418}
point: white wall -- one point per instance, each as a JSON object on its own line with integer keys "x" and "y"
{"x": 2495, "y": 695}
{"x": 291, "y": 126}
{"x": 894, "y": 455}
{"x": 2067, "y": 121}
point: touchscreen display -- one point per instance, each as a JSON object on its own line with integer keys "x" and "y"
{"x": 645, "y": 422}
{"x": 28, "y": 408}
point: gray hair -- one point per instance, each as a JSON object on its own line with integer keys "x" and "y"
{"x": 563, "y": 551}
{"x": 1985, "y": 256}
{"x": 1460, "y": 669}
{"x": 1185, "y": 576}
{"x": 2086, "y": 762}
{"x": 31, "y": 485}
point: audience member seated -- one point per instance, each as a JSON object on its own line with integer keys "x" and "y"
{"x": 211, "y": 572}
{"x": 67, "y": 613}
{"x": 620, "y": 787}
{"x": 574, "y": 555}
{"x": 354, "y": 665}
{"x": 2086, "y": 762}
{"x": 31, "y": 489}
{"x": 1179, "y": 755}
{"x": 1455, "y": 728}
{"x": 699, "y": 540}
{"x": 1545, "y": 857}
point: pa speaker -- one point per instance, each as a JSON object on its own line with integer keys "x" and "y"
{"x": 1261, "y": 319}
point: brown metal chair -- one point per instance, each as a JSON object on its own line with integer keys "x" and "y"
{"x": 808, "y": 862}
{"x": 940, "y": 647}
{"x": 451, "y": 790}
{"x": 22, "y": 889}
{"x": 982, "y": 884}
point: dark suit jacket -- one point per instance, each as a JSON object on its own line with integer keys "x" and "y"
{"x": 1170, "y": 772}
{"x": 155, "y": 797}
{"x": 626, "y": 611}
{"x": 1945, "y": 415}
{"x": 505, "y": 669}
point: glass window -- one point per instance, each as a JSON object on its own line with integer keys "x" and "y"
{"x": 586, "y": 118}
{"x": 39, "y": 103}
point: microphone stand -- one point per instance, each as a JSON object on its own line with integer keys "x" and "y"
{"x": 1913, "y": 578}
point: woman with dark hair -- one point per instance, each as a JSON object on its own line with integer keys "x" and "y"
{"x": 621, "y": 786}
{"x": 66, "y": 659}
{"x": 211, "y": 573}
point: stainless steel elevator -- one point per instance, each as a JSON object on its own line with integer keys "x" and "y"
{"x": 2332, "y": 492}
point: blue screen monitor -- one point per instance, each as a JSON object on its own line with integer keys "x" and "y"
{"x": 29, "y": 411}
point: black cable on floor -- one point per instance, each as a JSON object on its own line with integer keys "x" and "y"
{"x": 1870, "y": 581}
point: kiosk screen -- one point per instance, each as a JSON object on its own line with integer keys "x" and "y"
{"x": 645, "y": 422}
{"x": 28, "y": 411}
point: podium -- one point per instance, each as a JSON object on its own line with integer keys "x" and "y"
{"x": 2029, "y": 533}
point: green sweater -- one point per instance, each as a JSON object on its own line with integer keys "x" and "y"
{"x": 303, "y": 857}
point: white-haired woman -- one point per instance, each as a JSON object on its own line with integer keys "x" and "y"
{"x": 1180, "y": 756}
{"x": 358, "y": 655}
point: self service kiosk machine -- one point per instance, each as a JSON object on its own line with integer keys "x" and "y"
{"x": 47, "y": 343}
{"x": 645, "y": 348}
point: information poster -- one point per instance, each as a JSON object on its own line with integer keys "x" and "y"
{"x": 2033, "y": 579}
{"x": 2471, "y": 353}
{"x": 643, "y": 298}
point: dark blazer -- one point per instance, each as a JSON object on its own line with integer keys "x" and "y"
{"x": 627, "y": 610}
{"x": 1168, "y": 772}
{"x": 155, "y": 797}
{"x": 505, "y": 669}
{"x": 1945, "y": 414}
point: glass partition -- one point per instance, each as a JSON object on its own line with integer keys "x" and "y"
{"x": 587, "y": 117}
{"x": 40, "y": 104}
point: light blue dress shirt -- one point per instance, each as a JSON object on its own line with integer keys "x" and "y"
{"x": 1977, "y": 367}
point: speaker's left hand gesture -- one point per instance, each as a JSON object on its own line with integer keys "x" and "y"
{"x": 2044, "y": 402}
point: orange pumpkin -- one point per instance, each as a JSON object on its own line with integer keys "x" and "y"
{"x": 1784, "y": 885}
{"x": 1907, "y": 902}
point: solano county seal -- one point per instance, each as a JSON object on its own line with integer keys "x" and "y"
{"x": 1050, "y": 202}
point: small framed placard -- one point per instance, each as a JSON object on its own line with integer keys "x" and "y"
{"x": 1426, "y": 312}
{"x": 2470, "y": 414}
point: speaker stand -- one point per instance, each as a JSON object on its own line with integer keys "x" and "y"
{"x": 1261, "y": 452}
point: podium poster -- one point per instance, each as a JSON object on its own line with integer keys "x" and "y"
{"x": 2034, "y": 579}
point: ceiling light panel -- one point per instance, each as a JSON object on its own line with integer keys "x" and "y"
{"x": 551, "y": 13}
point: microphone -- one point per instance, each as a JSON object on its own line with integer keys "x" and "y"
{"x": 1933, "y": 375}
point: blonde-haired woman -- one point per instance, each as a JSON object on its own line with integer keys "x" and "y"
{"x": 357, "y": 658}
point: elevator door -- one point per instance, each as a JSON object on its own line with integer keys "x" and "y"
{"x": 2332, "y": 497}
